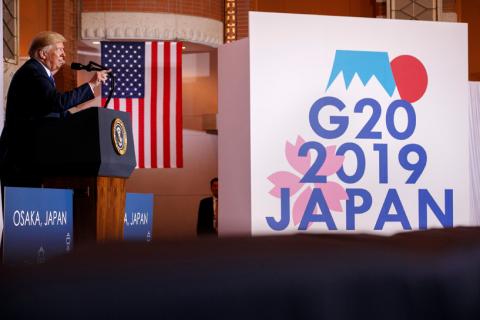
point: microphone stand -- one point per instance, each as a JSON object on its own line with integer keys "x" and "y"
{"x": 99, "y": 67}
{"x": 110, "y": 92}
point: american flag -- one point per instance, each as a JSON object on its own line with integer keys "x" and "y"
{"x": 148, "y": 85}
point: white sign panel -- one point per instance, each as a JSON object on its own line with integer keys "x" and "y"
{"x": 357, "y": 124}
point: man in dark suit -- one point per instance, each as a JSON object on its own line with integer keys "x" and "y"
{"x": 33, "y": 96}
{"x": 207, "y": 223}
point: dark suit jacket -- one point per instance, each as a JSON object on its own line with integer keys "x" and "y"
{"x": 31, "y": 97}
{"x": 205, "y": 217}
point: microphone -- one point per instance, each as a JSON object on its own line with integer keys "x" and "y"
{"x": 77, "y": 66}
{"x": 91, "y": 66}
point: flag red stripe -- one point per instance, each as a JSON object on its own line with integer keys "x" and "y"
{"x": 116, "y": 104}
{"x": 178, "y": 108}
{"x": 166, "y": 105}
{"x": 103, "y": 101}
{"x": 128, "y": 103}
{"x": 153, "y": 112}
{"x": 141, "y": 134}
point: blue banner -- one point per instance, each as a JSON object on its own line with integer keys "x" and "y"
{"x": 138, "y": 219}
{"x": 38, "y": 224}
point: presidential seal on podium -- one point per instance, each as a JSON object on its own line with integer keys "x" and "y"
{"x": 119, "y": 136}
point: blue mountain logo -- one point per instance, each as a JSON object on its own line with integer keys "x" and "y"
{"x": 366, "y": 64}
{"x": 405, "y": 73}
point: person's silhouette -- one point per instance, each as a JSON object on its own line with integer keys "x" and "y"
{"x": 207, "y": 223}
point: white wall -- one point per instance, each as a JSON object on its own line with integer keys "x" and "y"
{"x": 475, "y": 152}
{"x": 177, "y": 192}
{"x": 234, "y": 139}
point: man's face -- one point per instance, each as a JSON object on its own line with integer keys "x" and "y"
{"x": 54, "y": 58}
{"x": 214, "y": 188}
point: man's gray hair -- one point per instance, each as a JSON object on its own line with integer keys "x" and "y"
{"x": 42, "y": 40}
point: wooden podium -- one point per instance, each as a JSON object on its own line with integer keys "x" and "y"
{"x": 91, "y": 152}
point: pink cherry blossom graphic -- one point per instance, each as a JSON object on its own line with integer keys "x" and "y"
{"x": 332, "y": 191}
